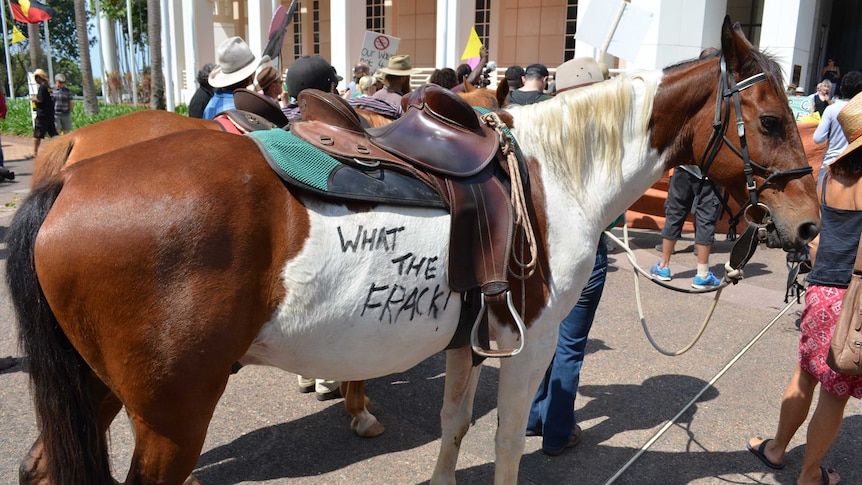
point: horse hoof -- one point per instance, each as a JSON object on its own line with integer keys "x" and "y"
{"x": 373, "y": 430}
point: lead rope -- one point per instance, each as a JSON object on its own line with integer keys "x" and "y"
{"x": 518, "y": 200}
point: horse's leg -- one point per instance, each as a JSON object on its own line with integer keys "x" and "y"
{"x": 460, "y": 389}
{"x": 519, "y": 379}
{"x": 356, "y": 403}
{"x": 32, "y": 470}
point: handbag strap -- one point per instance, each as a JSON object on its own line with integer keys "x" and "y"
{"x": 857, "y": 268}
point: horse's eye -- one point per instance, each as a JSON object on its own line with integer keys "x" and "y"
{"x": 769, "y": 123}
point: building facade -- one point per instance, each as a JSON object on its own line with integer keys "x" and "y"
{"x": 800, "y": 34}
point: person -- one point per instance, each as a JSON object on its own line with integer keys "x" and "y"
{"x": 268, "y": 83}
{"x": 552, "y": 414}
{"x": 306, "y": 72}
{"x": 368, "y": 86}
{"x": 821, "y": 98}
{"x": 446, "y": 77}
{"x": 514, "y": 75}
{"x": 236, "y": 65}
{"x": 841, "y": 225}
{"x": 831, "y": 73}
{"x": 62, "y": 104}
{"x": 465, "y": 73}
{"x": 397, "y": 80}
{"x": 829, "y": 129}
{"x": 533, "y": 86}
{"x": 203, "y": 94}
{"x": 360, "y": 70}
{"x": 689, "y": 190}
{"x": 44, "y": 105}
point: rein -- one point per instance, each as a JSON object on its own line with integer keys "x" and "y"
{"x": 742, "y": 251}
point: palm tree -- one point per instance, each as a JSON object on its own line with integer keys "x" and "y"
{"x": 91, "y": 103}
{"x": 35, "y": 35}
{"x": 154, "y": 36}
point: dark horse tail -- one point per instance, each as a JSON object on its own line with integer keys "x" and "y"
{"x": 75, "y": 451}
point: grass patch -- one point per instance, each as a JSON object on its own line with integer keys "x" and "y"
{"x": 19, "y": 122}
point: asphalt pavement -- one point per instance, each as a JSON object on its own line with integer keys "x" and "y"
{"x": 264, "y": 431}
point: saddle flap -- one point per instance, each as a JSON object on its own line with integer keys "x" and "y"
{"x": 327, "y": 108}
{"x": 245, "y": 122}
{"x": 253, "y": 102}
{"x": 343, "y": 143}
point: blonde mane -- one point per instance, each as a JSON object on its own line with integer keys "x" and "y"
{"x": 578, "y": 128}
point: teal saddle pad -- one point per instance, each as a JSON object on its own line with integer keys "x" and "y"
{"x": 309, "y": 169}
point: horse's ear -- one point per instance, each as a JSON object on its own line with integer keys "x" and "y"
{"x": 468, "y": 86}
{"x": 734, "y": 45}
{"x": 502, "y": 92}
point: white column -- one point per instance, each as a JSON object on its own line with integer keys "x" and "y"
{"x": 454, "y": 22}
{"x": 108, "y": 42}
{"x": 788, "y": 34}
{"x": 347, "y": 19}
{"x": 259, "y": 18}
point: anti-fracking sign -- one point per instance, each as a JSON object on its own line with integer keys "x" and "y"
{"x": 377, "y": 48}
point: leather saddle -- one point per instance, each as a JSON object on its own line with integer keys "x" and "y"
{"x": 441, "y": 140}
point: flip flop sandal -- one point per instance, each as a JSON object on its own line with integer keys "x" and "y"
{"x": 759, "y": 453}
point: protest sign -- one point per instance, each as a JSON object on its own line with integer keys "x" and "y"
{"x": 377, "y": 48}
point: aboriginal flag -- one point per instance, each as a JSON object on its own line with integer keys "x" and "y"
{"x": 31, "y": 11}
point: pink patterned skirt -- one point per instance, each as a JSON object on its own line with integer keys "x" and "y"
{"x": 822, "y": 305}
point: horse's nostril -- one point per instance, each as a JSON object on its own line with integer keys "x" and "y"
{"x": 808, "y": 231}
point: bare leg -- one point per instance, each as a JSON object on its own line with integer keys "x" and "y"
{"x": 794, "y": 410}
{"x": 822, "y": 431}
{"x": 703, "y": 251}
{"x": 667, "y": 247}
{"x": 36, "y": 142}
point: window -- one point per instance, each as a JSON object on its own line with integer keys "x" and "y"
{"x": 483, "y": 20}
{"x": 375, "y": 16}
{"x": 297, "y": 31}
{"x": 571, "y": 28}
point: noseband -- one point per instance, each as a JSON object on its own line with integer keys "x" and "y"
{"x": 728, "y": 88}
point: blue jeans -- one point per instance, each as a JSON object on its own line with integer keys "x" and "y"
{"x": 553, "y": 412}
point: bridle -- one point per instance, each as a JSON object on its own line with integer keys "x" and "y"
{"x": 728, "y": 88}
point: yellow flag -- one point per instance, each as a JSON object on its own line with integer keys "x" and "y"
{"x": 473, "y": 45}
{"x": 17, "y": 36}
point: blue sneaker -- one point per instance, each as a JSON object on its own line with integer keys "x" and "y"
{"x": 709, "y": 281}
{"x": 660, "y": 273}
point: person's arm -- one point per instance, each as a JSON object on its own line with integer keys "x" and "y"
{"x": 477, "y": 71}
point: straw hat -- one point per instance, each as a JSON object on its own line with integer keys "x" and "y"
{"x": 399, "y": 66}
{"x": 850, "y": 118}
{"x": 236, "y": 62}
{"x": 577, "y": 72}
{"x": 40, "y": 73}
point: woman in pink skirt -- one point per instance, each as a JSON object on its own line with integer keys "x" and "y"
{"x": 841, "y": 212}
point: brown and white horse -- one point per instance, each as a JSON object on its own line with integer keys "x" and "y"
{"x": 140, "y": 276}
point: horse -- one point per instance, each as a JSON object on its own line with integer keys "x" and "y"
{"x": 140, "y": 284}
{"x": 98, "y": 138}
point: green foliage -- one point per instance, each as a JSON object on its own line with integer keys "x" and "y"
{"x": 19, "y": 118}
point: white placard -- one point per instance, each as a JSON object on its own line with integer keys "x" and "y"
{"x": 630, "y": 32}
{"x": 377, "y": 48}
{"x": 597, "y": 22}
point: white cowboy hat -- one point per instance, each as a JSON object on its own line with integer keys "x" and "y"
{"x": 236, "y": 62}
{"x": 577, "y": 72}
{"x": 399, "y": 66}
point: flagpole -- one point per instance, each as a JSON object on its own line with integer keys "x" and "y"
{"x": 50, "y": 54}
{"x": 8, "y": 57}
{"x": 133, "y": 70}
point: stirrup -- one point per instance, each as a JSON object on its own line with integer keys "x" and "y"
{"x": 499, "y": 353}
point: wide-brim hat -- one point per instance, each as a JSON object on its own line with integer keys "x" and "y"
{"x": 236, "y": 62}
{"x": 850, "y": 118}
{"x": 577, "y": 72}
{"x": 40, "y": 73}
{"x": 399, "y": 66}
{"x": 266, "y": 77}
{"x": 310, "y": 72}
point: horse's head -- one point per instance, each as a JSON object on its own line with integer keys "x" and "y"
{"x": 744, "y": 136}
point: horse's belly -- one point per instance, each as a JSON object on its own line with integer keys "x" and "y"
{"x": 366, "y": 296}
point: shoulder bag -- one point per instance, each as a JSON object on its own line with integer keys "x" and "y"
{"x": 845, "y": 351}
